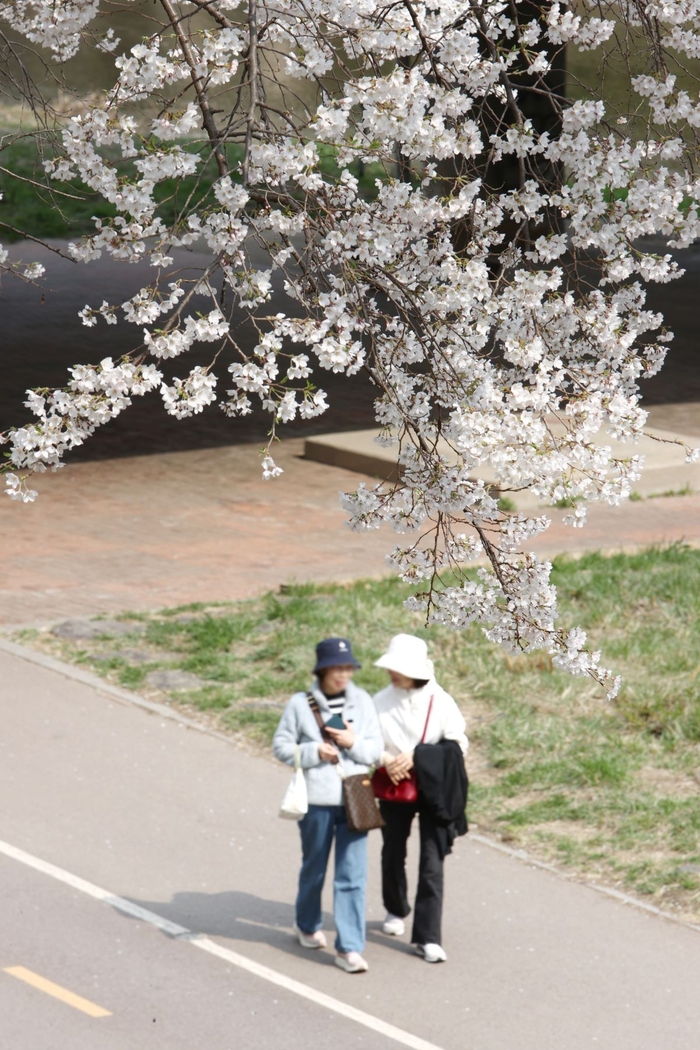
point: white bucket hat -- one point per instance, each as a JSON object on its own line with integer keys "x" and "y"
{"x": 407, "y": 655}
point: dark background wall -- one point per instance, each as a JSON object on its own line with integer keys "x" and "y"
{"x": 41, "y": 335}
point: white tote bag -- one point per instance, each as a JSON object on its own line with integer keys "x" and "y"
{"x": 295, "y": 803}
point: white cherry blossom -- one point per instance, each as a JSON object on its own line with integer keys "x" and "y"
{"x": 429, "y": 217}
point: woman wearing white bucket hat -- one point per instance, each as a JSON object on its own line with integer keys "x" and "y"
{"x": 414, "y": 710}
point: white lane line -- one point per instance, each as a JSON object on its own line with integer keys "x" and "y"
{"x": 120, "y": 903}
{"x": 197, "y": 940}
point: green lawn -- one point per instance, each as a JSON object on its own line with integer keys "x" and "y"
{"x": 612, "y": 791}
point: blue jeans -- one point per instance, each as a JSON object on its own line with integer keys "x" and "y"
{"x": 317, "y": 829}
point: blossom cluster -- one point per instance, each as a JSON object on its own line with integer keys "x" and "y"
{"x": 66, "y": 418}
{"x": 189, "y": 396}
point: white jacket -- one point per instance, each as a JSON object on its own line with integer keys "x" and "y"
{"x": 402, "y": 714}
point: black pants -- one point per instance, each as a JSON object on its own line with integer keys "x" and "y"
{"x": 427, "y": 918}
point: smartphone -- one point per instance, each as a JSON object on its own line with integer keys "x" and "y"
{"x": 335, "y": 722}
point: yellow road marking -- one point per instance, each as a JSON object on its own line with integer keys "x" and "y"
{"x": 36, "y": 981}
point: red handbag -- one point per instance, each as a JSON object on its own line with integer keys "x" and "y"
{"x": 406, "y": 790}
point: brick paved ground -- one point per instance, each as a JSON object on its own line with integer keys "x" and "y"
{"x": 173, "y": 528}
{"x": 160, "y": 530}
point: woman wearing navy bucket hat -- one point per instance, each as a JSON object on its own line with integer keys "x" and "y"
{"x": 422, "y": 773}
{"x": 332, "y": 729}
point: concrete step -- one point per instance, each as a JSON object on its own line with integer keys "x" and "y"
{"x": 665, "y": 471}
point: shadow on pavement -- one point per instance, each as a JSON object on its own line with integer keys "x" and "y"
{"x": 375, "y": 936}
{"x": 245, "y": 917}
{"x": 239, "y": 917}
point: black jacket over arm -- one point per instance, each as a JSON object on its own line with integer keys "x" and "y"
{"x": 443, "y": 785}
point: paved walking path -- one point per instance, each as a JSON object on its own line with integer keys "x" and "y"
{"x": 146, "y": 532}
{"x": 185, "y": 825}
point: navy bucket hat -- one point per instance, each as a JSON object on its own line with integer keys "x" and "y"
{"x": 334, "y": 652}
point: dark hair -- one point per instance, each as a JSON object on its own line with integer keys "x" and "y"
{"x": 418, "y": 683}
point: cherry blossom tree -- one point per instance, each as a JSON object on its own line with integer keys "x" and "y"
{"x": 443, "y": 217}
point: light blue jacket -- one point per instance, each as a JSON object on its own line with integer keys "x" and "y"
{"x": 298, "y": 727}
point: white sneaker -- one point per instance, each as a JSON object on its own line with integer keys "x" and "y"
{"x": 310, "y": 940}
{"x": 393, "y": 925}
{"x": 351, "y": 962}
{"x": 432, "y": 953}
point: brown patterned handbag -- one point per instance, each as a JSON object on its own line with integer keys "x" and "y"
{"x": 361, "y": 806}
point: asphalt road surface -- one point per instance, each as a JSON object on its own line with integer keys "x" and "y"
{"x": 184, "y": 825}
{"x": 155, "y": 991}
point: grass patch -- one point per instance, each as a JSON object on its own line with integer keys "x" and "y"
{"x": 636, "y": 497}
{"x": 610, "y": 790}
{"x": 506, "y": 504}
{"x": 687, "y": 490}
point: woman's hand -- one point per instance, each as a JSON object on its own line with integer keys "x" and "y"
{"x": 400, "y": 767}
{"x": 328, "y": 753}
{"x": 344, "y": 738}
